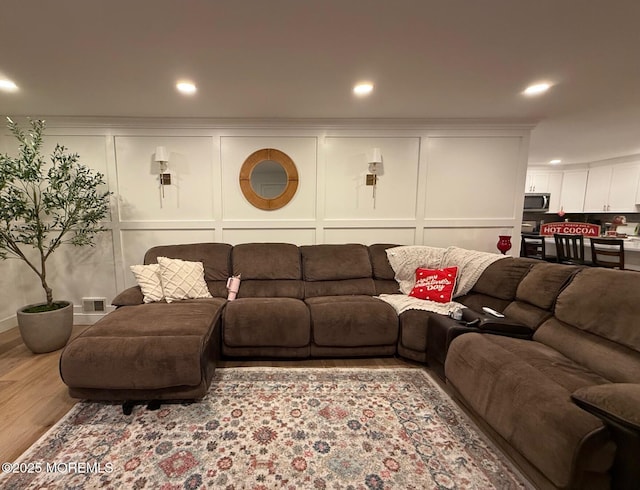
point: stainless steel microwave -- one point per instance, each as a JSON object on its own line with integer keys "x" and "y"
{"x": 537, "y": 202}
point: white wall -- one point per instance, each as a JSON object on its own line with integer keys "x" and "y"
{"x": 440, "y": 184}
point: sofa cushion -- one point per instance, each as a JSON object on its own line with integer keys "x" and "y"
{"x": 413, "y": 329}
{"x": 380, "y": 263}
{"x": 542, "y": 284}
{"x": 268, "y": 270}
{"x": 383, "y": 275}
{"x": 611, "y": 360}
{"x": 266, "y": 322}
{"x": 274, "y": 288}
{"x": 537, "y": 293}
{"x": 347, "y": 287}
{"x": 501, "y": 279}
{"x": 351, "y": 321}
{"x": 334, "y": 270}
{"x": 522, "y": 389}
{"x": 335, "y": 262}
{"x": 266, "y": 261}
{"x": 214, "y": 256}
{"x": 611, "y": 311}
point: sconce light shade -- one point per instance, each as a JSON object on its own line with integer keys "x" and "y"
{"x": 376, "y": 156}
{"x": 162, "y": 155}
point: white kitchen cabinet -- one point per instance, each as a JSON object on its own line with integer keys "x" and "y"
{"x": 597, "y": 194}
{"x": 624, "y": 183}
{"x": 612, "y": 189}
{"x": 555, "y": 189}
{"x": 574, "y": 184}
{"x": 541, "y": 180}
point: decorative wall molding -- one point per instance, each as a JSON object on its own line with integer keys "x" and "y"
{"x": 332, "y": 204}
{"x": 288, "y": 123}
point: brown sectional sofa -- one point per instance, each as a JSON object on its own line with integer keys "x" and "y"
{"x": 524, "y": 390}
{"x": 568, "y": 348}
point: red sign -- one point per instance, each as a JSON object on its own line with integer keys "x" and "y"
{"x": 570, "y": 228}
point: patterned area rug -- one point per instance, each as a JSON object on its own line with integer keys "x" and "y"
{"x": 267, "y": 428}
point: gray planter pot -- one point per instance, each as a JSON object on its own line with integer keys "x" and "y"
{"x": 46, "y": 331}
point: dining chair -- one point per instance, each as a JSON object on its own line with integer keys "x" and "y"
{"x": 607, "y": 252}
{"x": 533, "y": 247}
{"x": 569, "y": 248}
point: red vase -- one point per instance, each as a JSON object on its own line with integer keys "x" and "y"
{"x": 504, "y": 243}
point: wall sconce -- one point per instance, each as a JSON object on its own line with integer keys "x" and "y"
{"x": 162, "y": 157}
{"x": 372, "y": 178}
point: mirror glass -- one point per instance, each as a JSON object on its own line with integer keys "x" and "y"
{"x": 268, "y": 179}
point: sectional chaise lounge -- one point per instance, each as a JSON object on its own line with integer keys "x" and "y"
{"x": 556, "y": 383}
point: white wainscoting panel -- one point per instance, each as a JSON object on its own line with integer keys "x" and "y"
{"x": 235, "y": 149}
{"x": 473, "y": 177}
{"x": 77, "y": 272}
{"x": 304, "y": 236}
{"x": 190, "y": 195}
{"x": 15, "y": 278}
{"x": 483, "y": 239}
{"x": 369, "y": 236}
{"x": 438, "y": 185}
{"x": 135, "y": 243}
{"x": 346, "y": 165}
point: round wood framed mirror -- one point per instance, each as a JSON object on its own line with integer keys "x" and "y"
{"x": 268, "y": 179}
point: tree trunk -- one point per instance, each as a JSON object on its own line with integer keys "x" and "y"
{"x": 49, "y": 292}
{"x": 43, "y": 278}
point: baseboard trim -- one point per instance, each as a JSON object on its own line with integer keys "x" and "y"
{"x": 8, "y": 323}
{"x": 79, "y": 318}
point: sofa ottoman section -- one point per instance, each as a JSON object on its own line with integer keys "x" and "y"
{"x": 154, "y": 351}
{"x": 266, "y": 327}
{"x": 352, "y": 326}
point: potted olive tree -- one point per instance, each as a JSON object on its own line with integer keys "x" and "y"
{"x": 44, "y": 205}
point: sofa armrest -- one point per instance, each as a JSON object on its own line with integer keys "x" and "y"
{"x": 615, "y": 402}
{"x": 128, "y": 297}
{"x": 499, "y": 326}
{"x": 618, "y": 405}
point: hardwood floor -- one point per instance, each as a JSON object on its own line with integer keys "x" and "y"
{"x": 33, "y": 397}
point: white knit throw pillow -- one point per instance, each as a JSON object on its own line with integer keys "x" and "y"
{"x": 148, "y": 278}
{"x": 182, "y": 279}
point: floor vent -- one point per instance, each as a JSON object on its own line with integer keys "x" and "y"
{"x": 94, "y": 305}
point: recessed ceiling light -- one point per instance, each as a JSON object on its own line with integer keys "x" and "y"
{"x": 7, "y": 85}
{"x": 537, "y": 89}
{"x": 362, "y": 89}
{"x": 555, "y": 162}
{"x": 186, "y": 88}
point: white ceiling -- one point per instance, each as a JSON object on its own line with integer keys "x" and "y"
{"x": 300, "y": 58}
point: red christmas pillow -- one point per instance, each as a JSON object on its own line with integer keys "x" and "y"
{"x": 435, "y": 284}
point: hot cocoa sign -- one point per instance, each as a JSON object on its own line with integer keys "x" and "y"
{"x": 564, "y": 227}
